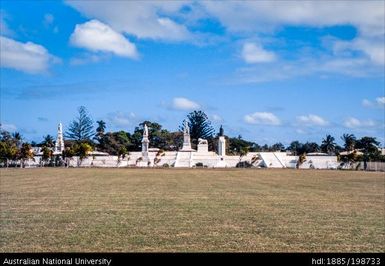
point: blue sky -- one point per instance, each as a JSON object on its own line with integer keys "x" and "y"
{"x": 269, "y": 71}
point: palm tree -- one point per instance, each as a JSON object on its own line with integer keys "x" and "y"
{"x": 17, "y": 138}
{"x": 369, "y": 147}
{"x": 48, "y": 141}
{"x": 349, "y": 141}
{"x": 100, "y": 130}
{"x": 328, "y": 145}
{"x": 296, "y": 147}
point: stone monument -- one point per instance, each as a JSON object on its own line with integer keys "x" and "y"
{"x": 59, "y": 145}
{"x": 145, "y": 143}
{"x": 221, "y": 143}
{"x": 186, "y": 137}
{"x": 203, "y": 146}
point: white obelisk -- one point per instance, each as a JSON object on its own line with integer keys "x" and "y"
{"x": 59, "y": 145}
{"x": 145, "y": 143}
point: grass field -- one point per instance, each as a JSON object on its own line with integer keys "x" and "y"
{"x": 124, "y": 210}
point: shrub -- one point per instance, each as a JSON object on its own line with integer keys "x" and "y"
{"x": 243, "y": 164}
{"x": 199, "y": 164}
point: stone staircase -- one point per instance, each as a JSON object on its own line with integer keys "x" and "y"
{"x": 183, "y": 159}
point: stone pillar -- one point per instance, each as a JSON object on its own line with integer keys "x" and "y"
{"x": 221, "y": 142}
{"x": 59, "y": 145}
{"x": 186, "y": 138}
{"x": 222, "y": 146}
{"x": 145, "y": 144}
{"x": 186, "y": 142}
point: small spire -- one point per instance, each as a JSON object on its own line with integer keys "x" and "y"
{"x": 221, "y": 131}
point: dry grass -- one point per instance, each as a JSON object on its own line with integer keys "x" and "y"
{"x": 123, "y": 210}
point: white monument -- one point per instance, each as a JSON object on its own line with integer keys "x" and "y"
{"x": 145, "y": 143}
{"x": 221, "y": 143}
{"x": 186, "y": 138}
{"x": 203, "y": 146}
{"x": 59, "y": 145}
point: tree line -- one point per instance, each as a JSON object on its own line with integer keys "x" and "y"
{"x": 82, "y": 137}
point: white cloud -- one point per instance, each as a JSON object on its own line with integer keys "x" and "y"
{"x": 352, "y": 122}
{"x": 169, "y": 20}
{"x": 120, "y": 119}
{"x": 216, "y": 118}
{"x": 8, "y": 127}
{"x": 146, "y": 19}
{"x": 99, "y": 37}
{"x": 323, "y": 66}
{"x": 28, "y": 57}
{"x": 378, "y": 103}
{"x": 371, "y": 47}
{"x": 367, "y": 103}
{"x": 254, "y": 53}
{"x": 165, "y": 19}
{"x": 263, "y": 118}
{"x": 251, "y": 16}
{"x": 181, "y": 103}
{"x": 312, "y": 120}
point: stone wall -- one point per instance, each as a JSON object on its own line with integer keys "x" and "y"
{"x": 202, "y": 159}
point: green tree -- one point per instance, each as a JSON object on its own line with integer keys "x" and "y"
{"x": 47, "y": 154}
{"x": 25, "y": 153}
{"x": 154, "y": 131}
{"x": 48, "y": 141}
{"x": 8, "y": 148}
{"x": 122, "y": 152}
{"x": 8, "y": 152}
{"x": 238, "y": 145}
{"x": 82, "y": 150}
{"x": 328, "y": 145}
{"x": 68, "y": 154}
{"x": 301, "y": 160}
{"x": 171, "y": 141}
{"x": 349, "y": 141}
{"x": 369, "y": 147}
{"x": 100, "y": 130}
{"x": 296, "y": 147}
{"x": 200, "y": 126}
{"x": 114, "y": 142}
{"x": 349, "y": 159}
{"x": 310, "y": 147}
{"x": 81, "y": 129}
{"x": 158, "y": 137}
{"x": 17, "y": 139}
{"x": 277, "y": 147}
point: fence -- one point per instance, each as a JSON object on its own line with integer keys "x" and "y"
{"x": 370, "y": 166}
